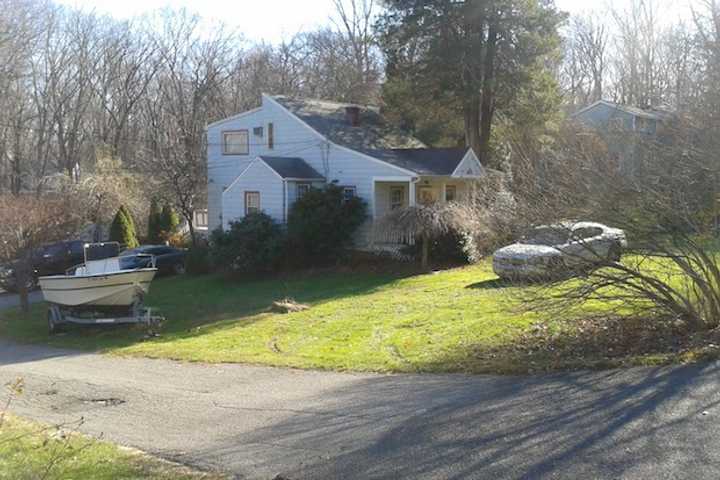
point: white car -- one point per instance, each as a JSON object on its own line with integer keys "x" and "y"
{"x": 559, "y": 250}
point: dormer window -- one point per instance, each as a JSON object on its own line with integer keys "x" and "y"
{"x": 236, "y": 142}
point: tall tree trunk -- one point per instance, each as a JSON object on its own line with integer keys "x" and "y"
{"x": 23, "y": 273}
{"x": 487, "y": 106}
{"x": 424, "y": 260}
{"x": 472, "y": 125}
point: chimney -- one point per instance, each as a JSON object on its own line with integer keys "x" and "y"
{"x": 352, "y": 115}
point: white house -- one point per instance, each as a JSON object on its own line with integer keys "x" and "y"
{"x": 266, "y": 158}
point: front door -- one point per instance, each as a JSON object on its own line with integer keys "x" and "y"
{"x": 427, "y": 195}
{"x": 397, "y": 197}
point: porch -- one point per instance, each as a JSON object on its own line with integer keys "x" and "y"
{"x": 392, "y": 193}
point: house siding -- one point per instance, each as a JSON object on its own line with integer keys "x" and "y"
{"x": 257, "y": 178}
{"x": 618, "y": 128}
{"x": 292, "y": 139}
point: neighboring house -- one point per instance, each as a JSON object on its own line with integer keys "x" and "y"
{"x": 626, "y": 129}
{"x": 265, "y": 159}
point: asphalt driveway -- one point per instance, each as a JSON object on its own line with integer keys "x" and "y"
{"x": 259, "y": 422}
{"x": 10, "y": 300}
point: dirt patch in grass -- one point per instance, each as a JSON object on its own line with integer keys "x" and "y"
{"x": 604, "y": 342}
{"x": 287, "y": 305}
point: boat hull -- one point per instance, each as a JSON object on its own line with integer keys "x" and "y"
{"x": 116, "y": 289}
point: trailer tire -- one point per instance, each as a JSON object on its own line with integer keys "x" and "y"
{"x": 54, "y": 320}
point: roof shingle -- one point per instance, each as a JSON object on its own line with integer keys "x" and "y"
{"x": 292, "y": 167}
{"x": 329, "y": 119}
{"x": 424, "y": 161}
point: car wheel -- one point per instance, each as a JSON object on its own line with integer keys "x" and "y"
{"x": 179, "y": 269}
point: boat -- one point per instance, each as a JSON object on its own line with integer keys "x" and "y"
{"x": 108, "y": 282}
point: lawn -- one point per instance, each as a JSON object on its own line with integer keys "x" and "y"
{"x": 29, "y": 450}
{"x": 458, "y": 320}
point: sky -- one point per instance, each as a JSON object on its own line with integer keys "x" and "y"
{"x": 273, "y": 20}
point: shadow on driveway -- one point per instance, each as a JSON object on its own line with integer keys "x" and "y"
{"x": 640, "y": 423}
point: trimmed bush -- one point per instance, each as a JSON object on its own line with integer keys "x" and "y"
{"x": 154, "y": 235}
{"x": 169, "y": 222}
{"x": 121, "y": 230}
{"x": 254, "y": 245}
{"x": 130, "y": 219}
{"x": 321, "y": 224}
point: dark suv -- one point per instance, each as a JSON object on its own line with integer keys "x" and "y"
{"x": 168, "y": 260}
{"x": 50, "y": 259}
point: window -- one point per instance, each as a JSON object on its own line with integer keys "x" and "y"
{"x": 271, "y": 136}
{"x": 397, "y": 197}
{"x": 236, "y": 143}
{"x": 348, "y": 193}
{"x": 200, "y": 219}
{"x": 302, "y": 189}
{"x": 258, "y": 131}
{"x": 252, "y": 202}
{"x": 450, "y": 193}
{"x": 643, "y": 124}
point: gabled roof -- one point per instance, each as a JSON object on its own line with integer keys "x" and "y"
{"x": 651, "y": 113}
{"x": 424, "y": 161}
{"x": 292, "y": 167}
{"x": 329, "y": 120}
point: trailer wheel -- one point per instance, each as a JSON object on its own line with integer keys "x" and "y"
{"x": 54, "y": 320}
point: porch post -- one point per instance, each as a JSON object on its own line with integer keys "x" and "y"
{"x": 443, "y": 192}
{"x": 411, "y": 191}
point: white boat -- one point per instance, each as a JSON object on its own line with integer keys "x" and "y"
{"x": 101, "y": 283}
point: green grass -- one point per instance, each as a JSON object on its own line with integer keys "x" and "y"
{"x": 449, "y": 321}
{"x": 29, "y": 450}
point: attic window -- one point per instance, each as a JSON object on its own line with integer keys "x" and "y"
{"x": 236, "y": 143}
{"x": 258, "y": 131}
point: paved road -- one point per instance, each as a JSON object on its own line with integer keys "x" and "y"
{"x": 9, "y": 300}
{"x": 257, "y": 422}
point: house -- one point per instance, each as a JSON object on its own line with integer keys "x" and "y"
{"x": 265, "y": 159}
{"x": 626, "y": 129}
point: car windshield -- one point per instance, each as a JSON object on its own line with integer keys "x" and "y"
{"x": 546, "y": 236}
{"x": 54, "y": 249}
{"x": 129, "y": 262}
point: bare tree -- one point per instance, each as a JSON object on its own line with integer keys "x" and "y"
{"x": 186, "y": 94}
{"x": 670, "y": 270}
{"x": 584, "y": 71}
{"x": 25, "y": 224}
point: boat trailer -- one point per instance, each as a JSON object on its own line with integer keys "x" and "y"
{"x": 60, "y": 315}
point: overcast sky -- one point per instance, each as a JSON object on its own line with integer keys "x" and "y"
{"x": 273, "y": 20}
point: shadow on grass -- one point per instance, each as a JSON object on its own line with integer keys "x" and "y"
{"x": 491, "y": 284}
{"x": 612, "y": 424}
{"x": 191, "y": 302}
